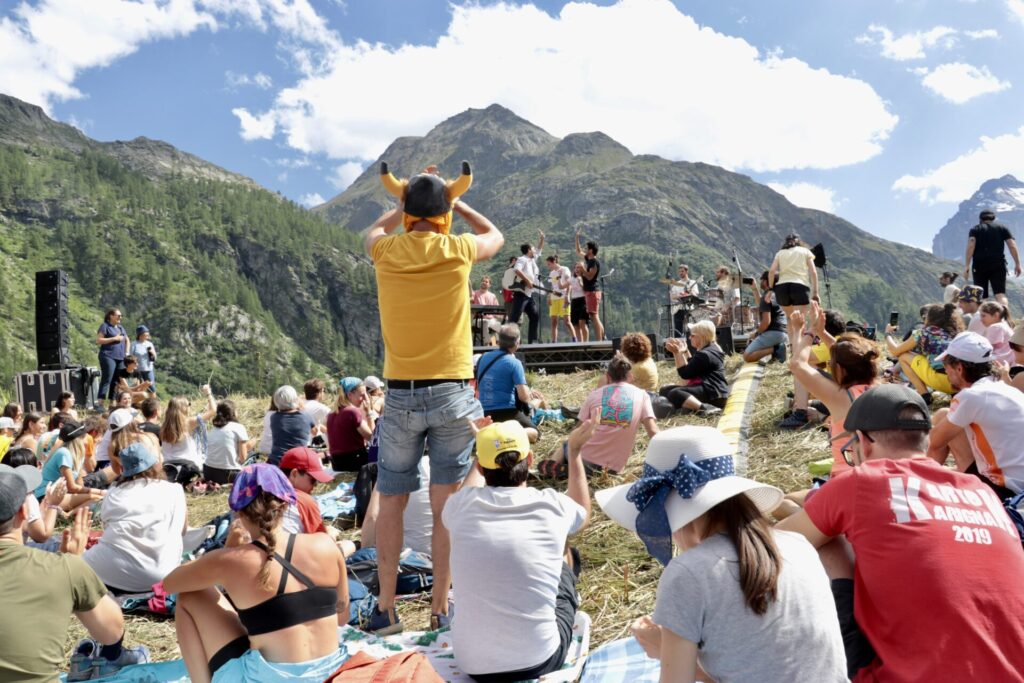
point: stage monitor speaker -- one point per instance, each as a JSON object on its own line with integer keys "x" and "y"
{"x": 819, "y": 255}
{"x": 723, "y": 335}
{"x": 657, "y": 352}
{"x": 53, "y": 324}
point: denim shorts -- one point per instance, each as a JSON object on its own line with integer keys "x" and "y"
{"x": 437, "y": 417}
{"x": 766, "y": 340}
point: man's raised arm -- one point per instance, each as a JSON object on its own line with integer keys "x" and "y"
{"x": 489, "y": 239}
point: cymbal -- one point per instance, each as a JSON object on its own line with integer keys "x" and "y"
{"x": 666, "y": 281}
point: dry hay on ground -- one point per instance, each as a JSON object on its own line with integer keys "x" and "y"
{"x": 619, "y": 580}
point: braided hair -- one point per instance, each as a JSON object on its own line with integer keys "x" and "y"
{"x": 266, "y": 512}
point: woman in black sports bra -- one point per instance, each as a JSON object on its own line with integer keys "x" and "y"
{"x": 278, "y": 616}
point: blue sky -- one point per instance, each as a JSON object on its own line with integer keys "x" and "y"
{"x": 885, "y": 112}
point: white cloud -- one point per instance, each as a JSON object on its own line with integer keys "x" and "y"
{"x": 909, "y": 45}
{"x": 958, "y": 179}
{"x": 982, "y": 34}
{"x": 807, "y": 195}
{"x": 345, "y": 175}
{"x": 46, "y": 45}
{"x": 255, "y": 127}
{"x": 1016, "y": 8}
{"x": 958, "y": 82}
{"x": 43, "y": 47}
{"x": 312, "y": 199}
{"x": 259, "y": 79}
{"x": 675, "y": 89}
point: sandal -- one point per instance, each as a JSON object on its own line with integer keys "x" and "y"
{"x": 549, "y": 469}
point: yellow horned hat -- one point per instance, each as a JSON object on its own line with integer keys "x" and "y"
{"x": 427, "y": 196}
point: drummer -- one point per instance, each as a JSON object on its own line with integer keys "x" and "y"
{"x": 727, "y": 296}
{"x": 684, "y": 286}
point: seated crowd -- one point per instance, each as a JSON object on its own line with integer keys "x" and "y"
{"x": 846, "y": 579}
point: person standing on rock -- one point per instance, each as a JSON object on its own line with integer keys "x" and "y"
{"x": 423, "y": 294}
{"x": 985, "y": 249}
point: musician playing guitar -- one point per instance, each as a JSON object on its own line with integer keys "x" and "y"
{"x": 684, "y": 286}
{"x": 528, "y": 277}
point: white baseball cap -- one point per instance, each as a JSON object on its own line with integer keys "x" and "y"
{"x": 970, "y": 347}
{"x": 119, "y": 419}
{"x": 7, "y": 423}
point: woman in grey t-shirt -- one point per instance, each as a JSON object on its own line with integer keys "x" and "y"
{"x": 741, "y": 601}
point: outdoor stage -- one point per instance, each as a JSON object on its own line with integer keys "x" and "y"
{"x": 573, "y": 356}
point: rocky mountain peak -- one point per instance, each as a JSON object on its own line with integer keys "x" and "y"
{"x": 1004, "y": 195}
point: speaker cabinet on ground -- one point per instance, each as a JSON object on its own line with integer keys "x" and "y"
{"x": 657, "y": 352}
{"x": 53, "y": 325}
{"x": 723, "y": 335}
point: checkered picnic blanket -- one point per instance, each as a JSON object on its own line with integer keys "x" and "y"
{"x": 621, "y": 661}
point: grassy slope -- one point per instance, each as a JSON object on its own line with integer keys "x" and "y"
{"x": 619, "y": 578}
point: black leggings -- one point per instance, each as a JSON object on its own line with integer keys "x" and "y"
{"x": 678, "y": 394}
{"x": 181, "y": 473}
{"x": 349, "y": 462}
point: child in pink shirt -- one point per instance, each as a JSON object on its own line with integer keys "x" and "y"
{"x": 996, "y": 318}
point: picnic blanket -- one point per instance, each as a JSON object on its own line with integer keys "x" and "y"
{"x": 621, "y": 661}
{"x": 435, "y": 645}
{"x": 341, "y": 502}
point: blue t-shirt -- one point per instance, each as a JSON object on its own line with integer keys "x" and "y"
{"x": 51, "y": 468}
{"x": 112, "y": 350}
{"x": 498, "y": 386}
{"x": 288, "y": 430}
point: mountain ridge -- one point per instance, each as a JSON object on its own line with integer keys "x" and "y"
{"x": 1004, "y": 195}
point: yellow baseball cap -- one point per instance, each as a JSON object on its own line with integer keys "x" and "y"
{"x": 501, "y": 437}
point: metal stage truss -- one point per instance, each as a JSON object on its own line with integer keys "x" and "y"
{"x": 567, "y": 357}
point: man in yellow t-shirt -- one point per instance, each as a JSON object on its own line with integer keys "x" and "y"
{"x": 423, "y": 295}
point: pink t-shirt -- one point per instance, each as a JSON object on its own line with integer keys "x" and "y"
{"x": 482, "y": 298}
{"x": 622, "y": 406}
{"x": 999, "y": 335}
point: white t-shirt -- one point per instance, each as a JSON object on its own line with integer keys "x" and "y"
{"x": 102, "y": 453}
{"x": 34, "y": 512}
{"x": 316, "y": 411}
{"x": 576, "y": 288}
{"x": 560, "y": 279}
{"x": 793, "y": 265}
{"x": 222, "y": 446}
{"x": 950, "y": 293}
{"x": 991, "y": 413}
{"x": 142, "y": 525}
{"x": 690, "y": 288}
{"x": 506, "y": 552}
{"x": 975, "y": 324}
{"x": 185, "y": 451}
{"x": 700, "y": 599}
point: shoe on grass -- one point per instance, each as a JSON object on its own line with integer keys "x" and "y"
{"x": 796, "y": 420}
{"x": 383, "y": 623}
{"x": 707, "y": 410}
{"x": 130, "y": 656}
{"x": 80, "y": 668}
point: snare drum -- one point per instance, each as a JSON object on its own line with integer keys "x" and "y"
{"x": 714, "y": 295}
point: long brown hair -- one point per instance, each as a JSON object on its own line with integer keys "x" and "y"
{"x": 266, "y": 512}
{"x": 759, "y": 557}
{"x": 858, "y": 359}
{"x": 946, "y": 317}
{"x": 175, "y": 425}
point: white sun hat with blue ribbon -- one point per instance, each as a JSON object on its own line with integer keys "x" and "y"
{"x": 688, "y": 470}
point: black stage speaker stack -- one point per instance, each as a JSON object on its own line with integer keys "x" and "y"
{"x": 657, "y": 351}
{"x": 723, "y": 335}
{"x": 38, "y": 390}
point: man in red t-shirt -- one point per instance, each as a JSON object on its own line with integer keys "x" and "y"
{"x": 937, "y": 587}
{"x": 303, "y": 468}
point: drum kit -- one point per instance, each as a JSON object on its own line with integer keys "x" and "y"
{"x": 713, "y": 306}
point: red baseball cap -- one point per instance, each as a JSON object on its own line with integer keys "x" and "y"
{"x": 307, "y": 460}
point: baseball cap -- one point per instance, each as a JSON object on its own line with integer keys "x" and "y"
{"x": 501, "y": 437}
{"x": 12, "y": 492}
{"x": 119, "y": 419}
{"x": 141, "y": 329}
{"x": 970, "y": 347}
{"x": 373, "y": 383}
{"x": 71, "y": 430}
{"x": 135, "y": 459}
{"x": 32, "y": 476}
{"x": 878, "y": 409}
{"x": 307, "y": 460}
{"x": 7, "y": 423}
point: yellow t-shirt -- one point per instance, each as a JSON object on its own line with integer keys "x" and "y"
{"x": 793, "y": 265}
{"x": 645, "y": 375}
{"x": 423, "y": 295}
{"x": 821, "y": 353}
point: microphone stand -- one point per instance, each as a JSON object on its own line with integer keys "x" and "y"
{"x": 739, "y": 288}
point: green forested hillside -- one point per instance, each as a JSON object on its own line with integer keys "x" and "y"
{"x": 238, "y": 285}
